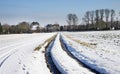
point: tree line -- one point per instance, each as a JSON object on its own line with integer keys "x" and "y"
{"x": 102, "y": 19}
{"x": 22, "y": 27}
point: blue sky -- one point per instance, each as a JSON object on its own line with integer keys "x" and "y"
{"x": 49, "y": 11}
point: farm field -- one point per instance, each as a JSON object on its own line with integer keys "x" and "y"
{"x": 17, "y": 55}
{"x": 100, "y": 50}
{"x": 92, "y": 52}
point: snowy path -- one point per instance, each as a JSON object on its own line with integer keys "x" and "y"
{"x": 64, "y": 62}
{"x": 17, "y": 55}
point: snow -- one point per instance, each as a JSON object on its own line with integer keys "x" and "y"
{"x": 98, "y": 49}
{"x": 17, "y": 55}
{"x": 64, "y": 62}
{"x": 104, "y": 57}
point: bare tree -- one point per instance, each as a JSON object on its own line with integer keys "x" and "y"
{"x": 69, "y": 19}
{"x": 72, "y": 20}
{"x": 87, "y": 18}
{"x": 92, "y": 17}
{"x": 75, "y": 19}
{"x": 101, "y": 14}
{"x": 107, "y": 13}
{"x": 84, "y": 21}
{"x": 97, "y": 18}
{"x": 112, "y": 17}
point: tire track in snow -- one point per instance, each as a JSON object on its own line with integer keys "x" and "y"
{"x": 10, "y": 52}
{"x": 48, "y": 44}
{"x": 49, "y": 61}
{"x": 6, "y": 58}
{"x": 71, "y": 55}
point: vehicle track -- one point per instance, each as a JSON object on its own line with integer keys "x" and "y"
{"x": 65, "y": 48}
{"x": 4, "y": 60}
{"x": 9, "y": 53}
{"x": 48, "y": 58}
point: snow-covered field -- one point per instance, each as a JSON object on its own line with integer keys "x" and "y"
{"x": 100, "y": 50}
{"x": 17, "y": 55}
{"x": 64, "y": 62}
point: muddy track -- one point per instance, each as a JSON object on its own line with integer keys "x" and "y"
{"x": 71, "y": 55}
{"x": 48, "y": 58}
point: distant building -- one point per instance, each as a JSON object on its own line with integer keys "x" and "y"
{"x": 35, "y": 26}
{"x": 52, "y": 28}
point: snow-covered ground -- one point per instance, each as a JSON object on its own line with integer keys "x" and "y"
{"x": 100, "y": 50}
{"x": 64, "y": 62}
{"x": 17, "y": 55}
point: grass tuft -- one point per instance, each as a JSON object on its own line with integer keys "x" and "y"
{"x": 90, "y": 45}
{"x": 47, "y": 41}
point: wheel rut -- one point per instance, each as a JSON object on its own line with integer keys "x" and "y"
{"x": 48, "y": 58}
{"x": 65, "y": 48}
